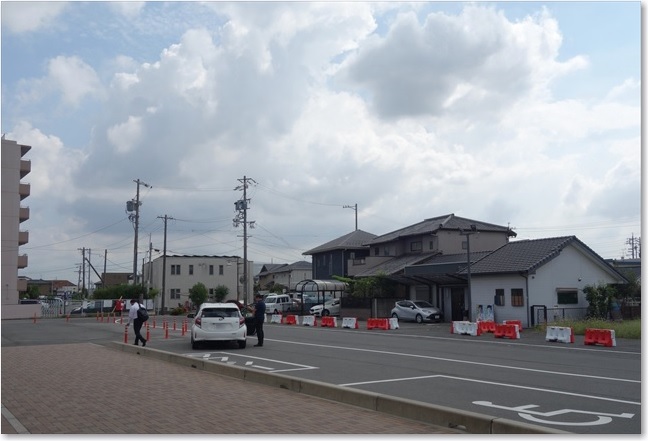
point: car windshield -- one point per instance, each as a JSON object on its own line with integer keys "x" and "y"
{"x": 220, "y": 312}
{"x": 423, "y": 305}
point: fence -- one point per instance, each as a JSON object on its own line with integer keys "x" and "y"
{"x": 543, "y": 315}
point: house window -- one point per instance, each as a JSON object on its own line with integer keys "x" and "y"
{"x": 416, "y": 246}
{"x": 175, "y": 270}
{"x": 376, "y": 251}
{"x": 221, "y": 268}
{"x": 499, "y": 297}
{"x": 464, "y": 245}
{"x": 175, "y": 293}
{"x": 517, "y": 297}
{"x": 352, "y": 255}
{"x": 211, "y": 270}
{"x": 567, "y": 296}
{"x": 191, "y": 270}
{"x": 387, "y": 251}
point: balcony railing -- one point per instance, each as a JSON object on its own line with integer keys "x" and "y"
{"x": 22, "y": 261}
{"x": 24, "y": 214}
{"x": 25, "y": 190}
{"x": 25, "y": 167}
{"x": 23, "y": 237}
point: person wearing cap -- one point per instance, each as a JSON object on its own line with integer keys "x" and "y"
{"x": 137, "y": 323}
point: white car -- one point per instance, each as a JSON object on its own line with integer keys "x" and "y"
{"x": 332, "y": 307}
{"x": 218, "y": 322}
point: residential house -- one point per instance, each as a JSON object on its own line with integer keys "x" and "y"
{"x": 184, "y": 271}
{"x": 391, "y": 253}
{"x": 14, "y": 192}
{"x": 284, "y": 274}
{"x": 527, "y": 280}
{"x": 344, "y": 256}
{"x": 49, "y": 288}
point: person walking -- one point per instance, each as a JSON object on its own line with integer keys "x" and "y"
{"x": 137, "y": 322}
{"x": 259, "y": 318}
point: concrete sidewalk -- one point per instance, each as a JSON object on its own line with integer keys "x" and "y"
{"x": 92, "y": 389}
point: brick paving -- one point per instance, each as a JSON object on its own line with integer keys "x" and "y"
{"x": 90, "y": 389}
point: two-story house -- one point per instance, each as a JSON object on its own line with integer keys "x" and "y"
{"x": 284, "y": 274}
{"x": 345, "y": 256}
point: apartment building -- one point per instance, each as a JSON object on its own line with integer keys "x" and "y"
{"x": 14, "y": 213}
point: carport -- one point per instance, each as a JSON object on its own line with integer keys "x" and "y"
{"x": 320, "y": 288}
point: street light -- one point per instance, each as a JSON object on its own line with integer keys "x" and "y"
{"x": 473, "y": 230}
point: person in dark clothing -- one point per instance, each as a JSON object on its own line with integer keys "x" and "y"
{"x": 137, "y": 323}
{"x": 259, "y": 316}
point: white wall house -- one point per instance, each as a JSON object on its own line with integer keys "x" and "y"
{"x": 183, "y": 272}
{"x": 523, "y": 277}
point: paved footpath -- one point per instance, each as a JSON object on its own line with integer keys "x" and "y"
{"x": 86, "y": 388}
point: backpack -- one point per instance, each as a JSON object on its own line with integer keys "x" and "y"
{"x": 142, "y": 314}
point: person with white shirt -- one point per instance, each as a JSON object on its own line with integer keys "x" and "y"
{"x": 137, "y": 323}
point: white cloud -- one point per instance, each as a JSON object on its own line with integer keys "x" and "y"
{"x": 129, "y": 9}
{"x": 26, "y": 16}
{"x": 74, "y": 79}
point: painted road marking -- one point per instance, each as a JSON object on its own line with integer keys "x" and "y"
{"x": 453, "y": 360}
{"x": 551, "y": 391}
{"x": 524, "y": 412}
{"x": 224, "y": 357}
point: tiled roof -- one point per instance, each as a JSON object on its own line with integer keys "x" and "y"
{"x": 432, "y": 225}
{"x": 285, "y": 267}
{"x": 523, "y": 255}
{"x": 351, "y": 241}
{"x": 397, "y": 264}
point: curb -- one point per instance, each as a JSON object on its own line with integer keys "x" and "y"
{"x": 460, "y": 420}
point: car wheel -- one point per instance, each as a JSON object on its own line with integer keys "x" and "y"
{"x": 242, "y": 344}
{"x": 394, "y": 315}
{"x": 276, "y": 311}
{"x": 194, "y": 344}
{"x": 419, "y": 318}
{"x": 325, "y": 313}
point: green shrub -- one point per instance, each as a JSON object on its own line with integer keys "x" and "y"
{"x": 622, "y": 329}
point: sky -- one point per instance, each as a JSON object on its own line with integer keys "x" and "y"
{"x": 521, "y": 114}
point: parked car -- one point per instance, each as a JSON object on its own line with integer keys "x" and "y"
{"x": 90, "y": 308}
{"x": 278, "y": 303}
{"x": 218, "y": 322}
{"x": 332, "y": 307}
{"x": 416, "y": 310}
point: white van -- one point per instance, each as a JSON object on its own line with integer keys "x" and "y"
{"x": 278, "y": 303}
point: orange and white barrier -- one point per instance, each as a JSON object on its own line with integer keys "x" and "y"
{"x": 560, "y": 334}
{"x": 486, "y": 326}
{"x": 378, "y": 323}
{"x": 309, "y": 320}
{"x": 465, "y": 328}
{"x": 603, "y": 337}
{"x": 330, "y": 322}
{"x": 276, "y": 318}
{"x": 507, "y": 331}
{"x": 393, "y": 323}
{"x": 350, "y": 322}
{"x": 290, "y": 320}
{"x": 514, "y": 322}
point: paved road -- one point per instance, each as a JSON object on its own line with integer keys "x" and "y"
{"x": 83, "y": 387}
{"x": 504, "y": 378}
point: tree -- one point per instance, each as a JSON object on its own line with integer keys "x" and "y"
{"x": 220, "y": 292}
{"x": 33, "y": 292}
{"x": 198, "y": 294}
{"x": 599, "y": 298}
{"x": 124, "y": 291}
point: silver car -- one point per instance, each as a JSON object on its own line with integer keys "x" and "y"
{"x": 416, "y": 310}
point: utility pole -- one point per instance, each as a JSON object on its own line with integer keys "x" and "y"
{"x": 242, "y": 206}
{"x": 83, "y": 271}
{"x": 354, "y": 208}
{"x": 473, "y": 230}
{"x": 134, "y": 206}
{"x": 165, "y": 217}
{"x": 635, "y": 246}
{"x": 104, "y": 271}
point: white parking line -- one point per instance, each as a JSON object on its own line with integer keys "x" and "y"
{"x": 218, "y": 356}
{"x": 551, "y": 391}
{"x": 451, "y": 360}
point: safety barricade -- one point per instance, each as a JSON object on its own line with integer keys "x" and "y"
{"x": 309, "y": 320}
{"x": 350, "y": 322}
{"x": 514, "y": 322}
{"x": 290, "y": 320}
{"x": 465, "y": 328}
{"x": 560, "y": 334}
{"x": 507, "y": 331}
{"x": 393, "y": 323}
{"x": 276, "y": 318}
{"x": 378, "y": 323}
{"x": 486, "y": 326}
{"x": 329, "y": 322}
{"x": 604, "y": 337}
